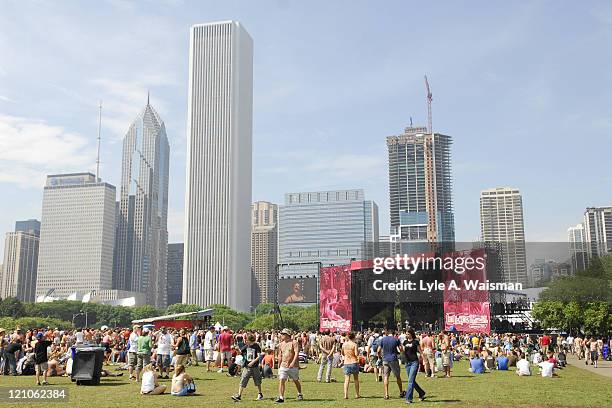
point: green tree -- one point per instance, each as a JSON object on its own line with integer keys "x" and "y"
{"x": 143, "y": 312}
{"x": 11, "y": 307}
{"x": 182, "y": 308}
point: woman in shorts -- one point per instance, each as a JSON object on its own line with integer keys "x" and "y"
{"x": 350, "y": 353}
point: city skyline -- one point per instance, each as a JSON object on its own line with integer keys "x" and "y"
{"x": 58, "y": 118}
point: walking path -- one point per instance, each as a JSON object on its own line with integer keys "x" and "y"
{"x": 603, "y": 367}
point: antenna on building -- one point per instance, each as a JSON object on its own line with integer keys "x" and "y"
{"x": 99, "y": 130}
{"x": 411, "y": 121}
{"x": 148, "y": 94}
{"x": 429, "y": 99}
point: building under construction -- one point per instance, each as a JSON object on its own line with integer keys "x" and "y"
{"x": 420, "y": 187}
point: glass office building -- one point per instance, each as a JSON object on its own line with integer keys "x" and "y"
{"x": 330, "y": 227}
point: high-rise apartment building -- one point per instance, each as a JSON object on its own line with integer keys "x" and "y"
{"x": 420, "y": 188}
{"x": 175, "y": 273}
{"x": 501, "y": 222}
{"x": 31, "y": 226}
{"x": 598, "y": 231}
{"x": 77, "y": 235}
{"x": 19, "y": 270}
{"x": 330, "y": 227}
{"x": 264, "y": 252}
{"x": 219, "y": 144}
{"x": 578, "y": 250}
{"x": 142, "y": 230}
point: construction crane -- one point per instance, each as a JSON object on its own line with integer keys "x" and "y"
{"x": 429, "y": 99}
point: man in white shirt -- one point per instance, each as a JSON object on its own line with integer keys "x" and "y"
{"x": 133, "y": 349}
{"x": 523, "y": 367}
{"x": 546, "y": 368}
{"x": 79, "y": 336}
{"x": 209, "y": 347}
{"x": 164, "y": 350}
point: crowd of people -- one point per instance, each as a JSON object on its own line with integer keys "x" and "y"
{"x": 149, "y": 354}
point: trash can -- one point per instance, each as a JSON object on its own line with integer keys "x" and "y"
{"x": 87, "y": 365}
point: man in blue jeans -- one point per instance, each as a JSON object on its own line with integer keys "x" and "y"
{"x": 9, "y": 354}
{"x": 412, "y": 349}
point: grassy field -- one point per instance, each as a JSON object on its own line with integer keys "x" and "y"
{"x": 573, "y": 388}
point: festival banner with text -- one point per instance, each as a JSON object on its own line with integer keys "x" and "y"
{"x": 335, "y": 299}
{"x": 467, "y": 310}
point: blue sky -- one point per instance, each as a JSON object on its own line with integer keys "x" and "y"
{"x": 523, "y": 87}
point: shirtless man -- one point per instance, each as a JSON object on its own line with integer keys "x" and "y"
{"x": 288, "y": 365}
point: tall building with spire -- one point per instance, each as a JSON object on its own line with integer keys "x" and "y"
{"x": 420, "y": 187}
{"x": 142, "y": 230}
{"x": 217, "y": 267}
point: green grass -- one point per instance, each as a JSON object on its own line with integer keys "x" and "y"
{"x": 573, "y": 388}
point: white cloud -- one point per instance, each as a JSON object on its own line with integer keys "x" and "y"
{"x": 6, "y": 99}
{"x": 31, "y": 148}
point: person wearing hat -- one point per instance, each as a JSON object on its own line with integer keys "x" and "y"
{"x": 143, "y": 356}
{"x": 41, "y": 357}
{"x": 288, "y": 365}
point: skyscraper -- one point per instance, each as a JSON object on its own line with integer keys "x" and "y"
{"x": 264, "y": 251}
{"x": 501, "y": 222}
{"x": 577, "y": 247}
{"x": 331, "y": 227}
{"x": 18, "y": 272}
{"x": 420, "y": 188}
{"x": 219, "y": 142}
{"x": 598, "y": 231}
{"x": 142, "y": 230}
{"x": 77, "y": 235}
{"x": 175, "y": 273}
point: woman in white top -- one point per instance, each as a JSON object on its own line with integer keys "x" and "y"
{"x": 150, "y": 385}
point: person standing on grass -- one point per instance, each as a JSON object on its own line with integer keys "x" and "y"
{"x": 327, "y": 345}
{"x": 225, "y": 348}
{"x": 182, "y": 348}
{"x": 350, "y": 353}
{"x": 143, "y": 355}
{"x": 133, "y": 350}
{"x": 288, "y": 362}
{"x": 251, "y": 351}
{"x": 164, "y": 352}
{"x": 41, "y": 358}
{"x": 389, "y": 350}
{"x": 412, "y": 349}
{"x": 429, "y": 362}
{"x": 209, "y": 347}
{"x": 194, "y": 345}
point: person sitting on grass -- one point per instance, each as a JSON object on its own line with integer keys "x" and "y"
{"x": 182, "y": 383}
{"x": 502, "y": 362}
{"x": 477, "y": 364}
{"x": 547, "y": 369}
{"x": 150, "y": 385}
{"x": 523, "y": 368}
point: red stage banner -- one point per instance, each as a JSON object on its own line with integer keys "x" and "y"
{"x": 466, "y": 308}
{"x": 335, "y": 299}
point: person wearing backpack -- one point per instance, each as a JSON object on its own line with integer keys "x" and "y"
{"x": 376, "y": 363}
{"x": 182, "y": 349}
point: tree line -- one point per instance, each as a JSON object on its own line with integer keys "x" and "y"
{"x": 579, "y": 303}
{"x": 73, "y": 314}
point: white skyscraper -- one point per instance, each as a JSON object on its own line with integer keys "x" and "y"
{"x": 77, "y": 235}
{"x": 501, "y": 222}
{"x": 598, "y": 231}
{"x": 18, "y": 275}
{"x": 219, "y": 143}
{"x": 577, "y": 247}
